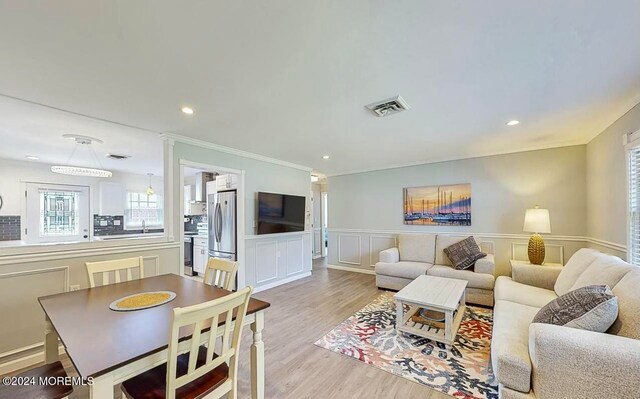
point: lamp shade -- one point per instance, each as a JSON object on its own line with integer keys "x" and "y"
{"x": 536, "y": 220}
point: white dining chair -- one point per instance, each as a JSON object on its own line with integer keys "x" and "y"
{"x": 200, "y": 372}
{"x": 221, "y": 273}
{"x": 117, "y": 267}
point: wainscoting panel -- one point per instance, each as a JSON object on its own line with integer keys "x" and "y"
{"x": 379, "y": 243}
{"x": 295, "y": 255}
{"x": 554, "y": 253}
{"x": 23, "y": 319}
{"x": 267, "y": 258}
{"x": 350, "y": 249}
{"x": 317, "y": 242}
{"x": 276, "y": 259}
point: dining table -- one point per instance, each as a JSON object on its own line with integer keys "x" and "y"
{"x": 108, "y": 347}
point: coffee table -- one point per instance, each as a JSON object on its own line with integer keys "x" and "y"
{"x": 440, "y": 294}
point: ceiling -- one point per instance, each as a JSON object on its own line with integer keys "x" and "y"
{"x": 33, "y": 130}
{"x": 290, "y": 79}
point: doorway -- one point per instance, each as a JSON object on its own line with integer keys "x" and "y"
{"x": 212, "y": 213}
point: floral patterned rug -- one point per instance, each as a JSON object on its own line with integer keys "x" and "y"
{"x": 462, "y": 370}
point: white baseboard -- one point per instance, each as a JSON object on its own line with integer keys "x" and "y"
{"x": 281, "y": 282}
{"x": 19, "y": 362}
{"x": 351, "y": 269}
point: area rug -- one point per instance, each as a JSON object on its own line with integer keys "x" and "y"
{"x": 462, "y": 370}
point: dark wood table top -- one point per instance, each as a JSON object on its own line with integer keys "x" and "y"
{"x": 98, "y": 339}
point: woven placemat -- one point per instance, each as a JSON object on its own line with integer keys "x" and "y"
{"x": 142, "y": 300}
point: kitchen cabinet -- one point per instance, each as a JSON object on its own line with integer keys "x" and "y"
{"x": 200, "y": 254}
{"x": 113, "y": 198}
{"x": 226, "y": 182}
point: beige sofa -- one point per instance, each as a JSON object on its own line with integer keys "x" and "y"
{"x": 419, "y": 254}
{"x": 532, "y": 360}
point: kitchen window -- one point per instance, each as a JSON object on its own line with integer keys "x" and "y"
{"x": 144, "y": 208}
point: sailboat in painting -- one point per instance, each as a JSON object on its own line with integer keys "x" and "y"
{"x": 448, "y": 205}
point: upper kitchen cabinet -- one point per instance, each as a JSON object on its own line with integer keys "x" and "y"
{"x": 226, "y": 182}
{"x": 112, "y": 198}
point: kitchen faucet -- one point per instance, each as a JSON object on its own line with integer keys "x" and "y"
{"x": 144, "y": 227}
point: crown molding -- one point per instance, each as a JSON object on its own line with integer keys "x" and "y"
{"x": 212, "y": 146}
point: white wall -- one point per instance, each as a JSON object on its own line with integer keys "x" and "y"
{"x": 369, "y": 204}
{"x": 607, "y": 183}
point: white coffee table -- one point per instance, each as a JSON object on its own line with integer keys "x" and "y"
{"x": 445, "y": 295}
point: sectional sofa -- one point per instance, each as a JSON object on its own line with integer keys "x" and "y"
{"x": 543, "y": 361}
{"x": 419, "y": 254}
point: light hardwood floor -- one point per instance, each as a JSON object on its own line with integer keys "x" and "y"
{"x": 301, "y": 312}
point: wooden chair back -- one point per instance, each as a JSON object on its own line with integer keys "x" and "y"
{"x": 198, "y": 317}
{"x": 116, "y": 266}
{"x": 221, "y": 273}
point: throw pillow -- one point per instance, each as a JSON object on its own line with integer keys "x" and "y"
{"x": 464, "y": 254}
{"x": 593, "y": 308}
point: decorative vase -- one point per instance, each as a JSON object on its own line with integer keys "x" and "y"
{"x": 536, "y": 249}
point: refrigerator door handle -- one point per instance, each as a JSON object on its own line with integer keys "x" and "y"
{"x": 218, "y": 222}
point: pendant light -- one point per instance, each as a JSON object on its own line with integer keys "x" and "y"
{"x": 150, "y": 190}
{"x": 79, "y": 170}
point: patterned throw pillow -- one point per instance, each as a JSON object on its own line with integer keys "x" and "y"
{"x": 593, "y": 308}
{"x": 464, "y": 254}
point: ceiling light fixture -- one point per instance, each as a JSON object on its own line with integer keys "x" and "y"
{"x": 79, "y": 170}
{"x": 314, "y": 178}
{"x": 187, "y": 110}
{"x": 150, "y": 190}
{"x": 513, "y": 123}
{"x": 32, "y": 157}
{"x": 325, "y": 157}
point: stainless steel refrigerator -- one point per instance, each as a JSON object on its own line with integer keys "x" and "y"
{"x": 222, "y": 224}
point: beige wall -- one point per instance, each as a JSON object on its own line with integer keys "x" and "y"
{"x": 503, "y": 187}
{"x": 607, "y": 182}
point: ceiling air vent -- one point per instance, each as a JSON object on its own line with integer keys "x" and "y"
{"x": 388, "y": 107}
{"x": 117, "y": 157}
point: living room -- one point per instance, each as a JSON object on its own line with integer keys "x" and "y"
{"x": 367, "y": 200}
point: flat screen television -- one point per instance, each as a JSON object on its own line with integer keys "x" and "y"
{"x": 280, "y": 213}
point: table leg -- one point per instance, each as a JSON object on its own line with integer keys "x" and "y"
{"x": 399, "y": 314}
{"x": 448, "y": 326}
{"x": 102, "y": 387}
{"x": 257, "y": 357}
{"x": 50, "y": 342}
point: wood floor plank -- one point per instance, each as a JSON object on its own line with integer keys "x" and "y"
{"x": 302, "y": 312}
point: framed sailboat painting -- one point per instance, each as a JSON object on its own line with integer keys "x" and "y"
{"x": 448, "y": 205}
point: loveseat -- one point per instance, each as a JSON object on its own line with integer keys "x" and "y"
{"x": 544, "y": 361}
{"x": 419, "y": 254}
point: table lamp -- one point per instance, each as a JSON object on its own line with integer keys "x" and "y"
{"x": 536, "y": 221}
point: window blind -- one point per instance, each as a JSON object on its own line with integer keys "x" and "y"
{"x": 634, "y": 206}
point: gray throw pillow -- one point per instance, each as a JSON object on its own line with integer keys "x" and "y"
{"x": 464, "y": 254}
{"x": 592, "y": 308}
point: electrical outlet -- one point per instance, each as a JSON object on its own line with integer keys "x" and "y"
{"x": 75, "y": 287}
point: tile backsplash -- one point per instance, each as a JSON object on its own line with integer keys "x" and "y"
{"x": 108, "y": 225}
{"x": 9, "y": 228}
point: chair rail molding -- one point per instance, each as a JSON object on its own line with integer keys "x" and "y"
{"x": 568, "y": 238}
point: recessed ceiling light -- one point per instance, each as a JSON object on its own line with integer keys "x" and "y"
{"x": 187, "y": 110}
{"x": 32, "y": 157}
{"x": 513, "y": 123}
{"x": 325, "y": 157}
